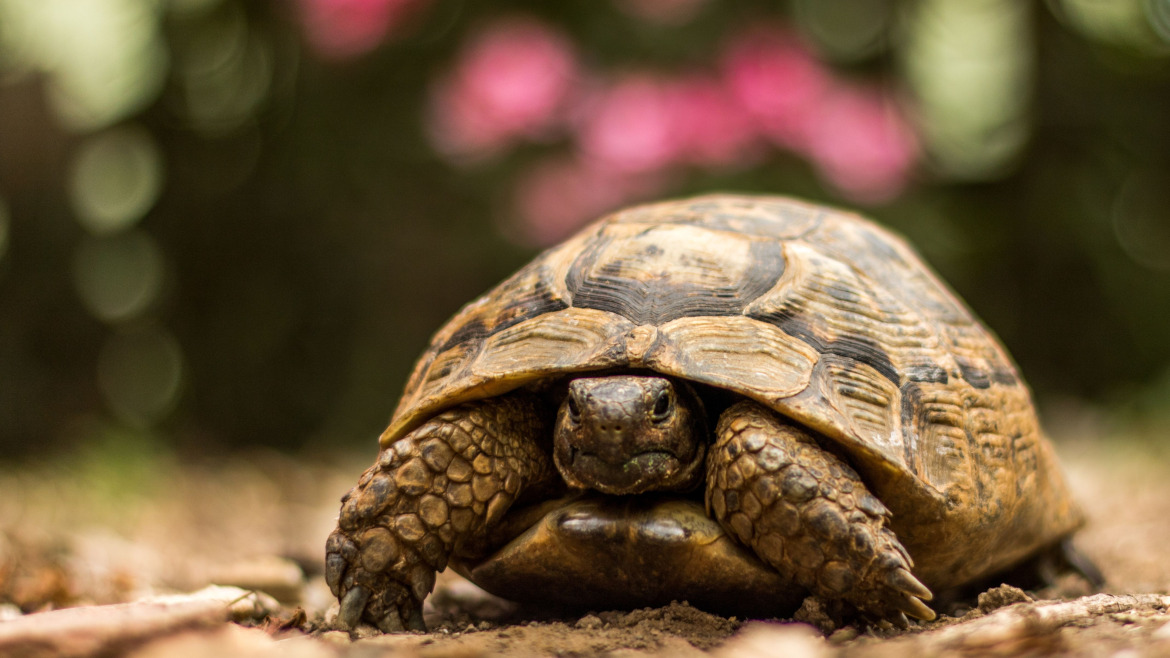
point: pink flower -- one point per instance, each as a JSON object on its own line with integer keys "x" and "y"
{"x": 863, "y": 145}
{"x": 341, "y": 29}
{"x": 641, "y": 123}
{"x": 712, "y": 129}
{"x": 855, "y": 137}
{"x": 663, "y": 12}
{"x": 631, "y": 125}
{"x": 558, "y": 196}
{"x": 511, "y": 80}
{"x": 778, "y": 83}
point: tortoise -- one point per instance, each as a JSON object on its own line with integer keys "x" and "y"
{"x": 739, "y": 401}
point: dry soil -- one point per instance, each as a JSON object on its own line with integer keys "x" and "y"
{"x": 83, "y": 536}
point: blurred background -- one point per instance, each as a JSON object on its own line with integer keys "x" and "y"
{"x": 234, "y": 224}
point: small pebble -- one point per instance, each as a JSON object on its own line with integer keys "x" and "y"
{"x": 589, "y": 621}
{"x": 1001, "y": 597}
{"x": 338, "y": 638}
{"x": 364, "y": 631}
{"x": 843, "y": 635}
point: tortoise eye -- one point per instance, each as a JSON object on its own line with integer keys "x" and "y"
{"x": 574, "y": 409}
{"x": 662, "y": 407}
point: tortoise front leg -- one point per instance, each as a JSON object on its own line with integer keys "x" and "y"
{"x": 807, "y": 514}
{"x": 429, "y": 494}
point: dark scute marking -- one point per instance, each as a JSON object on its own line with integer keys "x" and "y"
{"x": 441, "y": 372}
{"x": 1004, "y": 377}
{"x": 865, "y": 351}
{"x": 927, "y": 373}
{"x": 580, "y": 266}
{"x": 523, "y": 303}
{"x": 431, "y": 375}
{"x": 657, "y": 298}
{"x": 862, "y": 350}
{"x": 843, "y": 293}
{"x": 472, "y": 331}
{"x": 976, "y": 377}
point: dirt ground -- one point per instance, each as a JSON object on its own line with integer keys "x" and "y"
{"x": 93, "y": 551}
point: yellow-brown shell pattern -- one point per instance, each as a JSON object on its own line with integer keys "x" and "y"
{"x": 820, "y": 314}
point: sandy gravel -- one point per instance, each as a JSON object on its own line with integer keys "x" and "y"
{"x": 89, "y": 534}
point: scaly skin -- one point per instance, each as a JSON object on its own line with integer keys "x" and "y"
{"x": 428, "y": 495}
{"x": 807, "y": 513}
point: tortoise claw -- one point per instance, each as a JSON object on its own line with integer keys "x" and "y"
{"x": 352, "y": 607}
{"x": 904, "y": 581}
{"x": 335, "y": 566}
{"x": 912, "y": 606}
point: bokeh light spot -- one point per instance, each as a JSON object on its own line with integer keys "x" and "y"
{"x": 1129, "y": 23}
{"x": 115, "y": 179}
{"x": 1141, "y": 220}
{"x": 225, "y": 69}
{"x": 1158, "y": 12}
{"x": 103, "y": 59}
{"x": 139, "y": 372}
{"x": 118, "y": 277}
{"x": 847, "y": 30}
{"x": 969, "y": 64}
{"x": 213, "y": 43}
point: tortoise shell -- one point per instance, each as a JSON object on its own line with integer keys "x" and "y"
{"x": 819, "y": 314}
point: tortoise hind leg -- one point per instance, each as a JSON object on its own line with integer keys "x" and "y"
{"x": 430, "y": 494}
{"x": 807, "y": 513}
{"x": 1072, "y": 559}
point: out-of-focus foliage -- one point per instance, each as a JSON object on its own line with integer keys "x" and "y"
{"x": 231, "y": 222}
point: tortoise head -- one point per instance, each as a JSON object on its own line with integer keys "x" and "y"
{"x": 626, "y": 434}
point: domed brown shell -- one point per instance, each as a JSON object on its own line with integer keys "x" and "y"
{"x": 820, "y": 314}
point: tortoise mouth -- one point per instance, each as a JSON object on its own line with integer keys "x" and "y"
{"x": 641, "y": 472}
{"x": 591, "y": 550}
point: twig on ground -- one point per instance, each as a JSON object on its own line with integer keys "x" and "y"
{"x": 88, "y": 630}
{"x": 1024, "y": 624}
